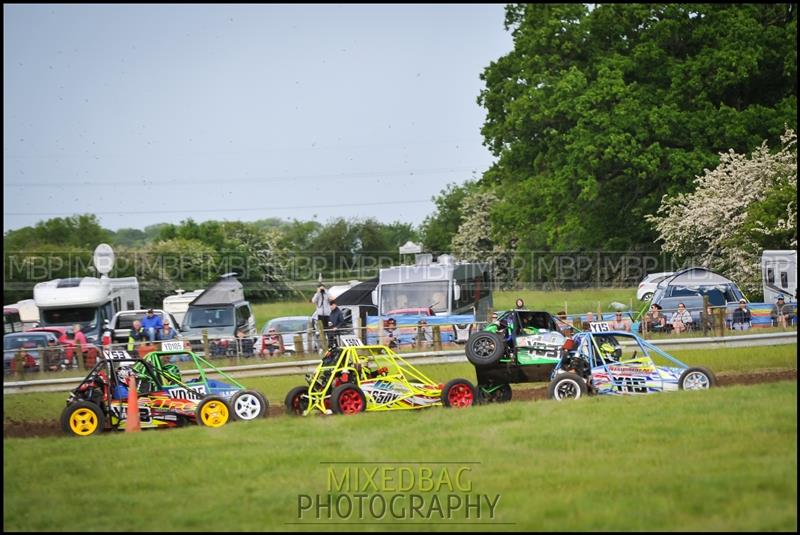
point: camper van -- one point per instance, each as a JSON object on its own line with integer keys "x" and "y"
{"x": 779, "y": 275}
{"x": 88, "y": 301}
{"x": 222, "y": 310}
{"x": 178, "y": 304}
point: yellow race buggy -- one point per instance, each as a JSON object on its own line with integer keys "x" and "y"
{"x": 358, "y": 378}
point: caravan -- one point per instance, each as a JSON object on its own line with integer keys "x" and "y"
{"x": 779, "y": 275}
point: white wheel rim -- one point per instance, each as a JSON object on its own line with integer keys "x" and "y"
{"x": 567, "y": 389}
{"x": 696, "y": 381}
{"x": 247, "y": 407}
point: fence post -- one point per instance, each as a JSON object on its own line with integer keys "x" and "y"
{"x": 721, "y": 312}
{"x": 206, "y": 352}
{"x": 298, "y": 345}
{"x": 19, "y": 359}
{"x": 323, "y": 337}
{"x": 437, "y": 338}
{"x": 704, "y": 315}
{"x": 79, "y": 353}
{"x": 419, "y": 337}
{"x": 309, "y": 336}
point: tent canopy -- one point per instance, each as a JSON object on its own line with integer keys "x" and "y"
{"x": 360, "y": 294}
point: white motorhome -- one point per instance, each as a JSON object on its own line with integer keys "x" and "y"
{"x": 86, "y": 300}
{"x": 779, "y": 275}
{"x": 28, "y": 313}
{"x": 178, "y": 304}
{"x": 447, "y": 287}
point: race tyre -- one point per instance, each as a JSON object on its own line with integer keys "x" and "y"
{"x": 297, "y": 401}
{"x": 213, "y": 411}
{"x": 494, "y": 393}
{"x": 458, "y": 393}
{"x": 697, "y": 379}
{"x": 567, "y": 386}
{"x": 348, "y": 399}
{"x": 82, "y": 419}
{"x": 249, "y": 405}
{"x": 485, "y": 348}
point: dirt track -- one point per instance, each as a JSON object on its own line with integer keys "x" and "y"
{"x": 48, "y": 428}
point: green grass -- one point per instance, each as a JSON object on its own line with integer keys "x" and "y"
{"x": 724, "y": 459}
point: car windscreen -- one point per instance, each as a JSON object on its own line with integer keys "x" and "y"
{"x": 287, "y": 326}
{"x": 86, "y": 316}
{"x": 209, "y": 317}
{"x": 16, "y": 342}
{"x": 415, "y": 295}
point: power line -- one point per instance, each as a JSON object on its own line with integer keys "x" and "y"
{"x": 169, "y": 181}
{"x": 217, "y": 210}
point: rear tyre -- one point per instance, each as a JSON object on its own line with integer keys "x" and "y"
{"x": 458, "y": 393}
{"x": 82, "y": 419}
{"x": 249, "y": 405}
{"x": 697, "y": 379}
{"x": 484, "y": 348}
{"x": 494, "y": 393}
{"x": 348, "y": 399}
{"x": 297, "y": 401}
{"x": 213, "y": 411}
{"x": 567, "y": 386}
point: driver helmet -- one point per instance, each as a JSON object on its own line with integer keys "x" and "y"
{"x": 609, "y": 351}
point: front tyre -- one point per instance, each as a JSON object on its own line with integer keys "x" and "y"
{"x": 213, "y": 411}
{"x": 697, "y": 379}
{"x": 249, "y": 405}
{"x": 82, "y": 419}
{"x": 297, "y": 401}
{"x": 348, "y": 398}
{"x": 458, "y": 393}
{"x": 567, "y": 386}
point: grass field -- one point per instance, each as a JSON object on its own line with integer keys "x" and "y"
{"x": 723, "y": 459}
{"x": 48, "y": 405}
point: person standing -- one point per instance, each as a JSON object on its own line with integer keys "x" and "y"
{"x": 79, "y": 341}
{"x": 335, "y": 322}
{"x": 322, "y": 301}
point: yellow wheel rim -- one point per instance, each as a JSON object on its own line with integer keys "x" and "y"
{"x": 83, "y": 422}
{"x": 214, "y": 414}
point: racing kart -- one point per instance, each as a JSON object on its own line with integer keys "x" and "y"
{"x": 100, "y": 401}
{"x": 356, "y": 378}
{"x": 520, "y": 346}
{"x": 605, "y": 362}
{"x": 246, "y": 404}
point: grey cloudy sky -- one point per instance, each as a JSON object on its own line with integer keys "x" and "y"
{"x": 157, "y": 113}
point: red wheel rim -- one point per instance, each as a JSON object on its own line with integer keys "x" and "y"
{"x": 350, "y": 402}
{"x": 460, "y": 395}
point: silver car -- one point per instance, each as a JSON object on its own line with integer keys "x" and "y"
{"x": 287, "y": 327}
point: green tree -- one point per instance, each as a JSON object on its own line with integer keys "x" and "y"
{"x": 438, "y": 229}
{"x": 596, "y": 114}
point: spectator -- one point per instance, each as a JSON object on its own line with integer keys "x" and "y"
{"x": 322, "y": 301}
{"x": 681, "y": 319}
{"x": 152, "y": 325}
{"x": 619, "y": 323}
{"x": 167, "y": 332}
{"x": 520, "y": 304}
{"x": 708, "y": 318}
{"x": 77, "y": 335}
{"x": 335, "y": 322}
{"x": 425, "y": 334}
{"x": 781, "y": 313}
{"x": 136, "y": 335}
{"x": 564, "y": 324}
{"x": 389, "y": 337}
{"x": 657, "y": 321}
{"x": 272, "y": 342}
{"x": 741, "y": 317}
{"x": 586, "y": 325}
{"x": 244, "y": 344}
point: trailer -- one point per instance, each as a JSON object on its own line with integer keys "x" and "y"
{"x": 779, "y": 275}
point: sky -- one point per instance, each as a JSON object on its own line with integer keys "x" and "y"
{"x": 147, "y": 114}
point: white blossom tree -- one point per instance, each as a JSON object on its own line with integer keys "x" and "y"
{"x": 744, "y": 205}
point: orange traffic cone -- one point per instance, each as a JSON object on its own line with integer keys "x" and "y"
{"x": 132, "y": 423}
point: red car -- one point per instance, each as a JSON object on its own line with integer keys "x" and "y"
{"x": 68, "y": 344}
